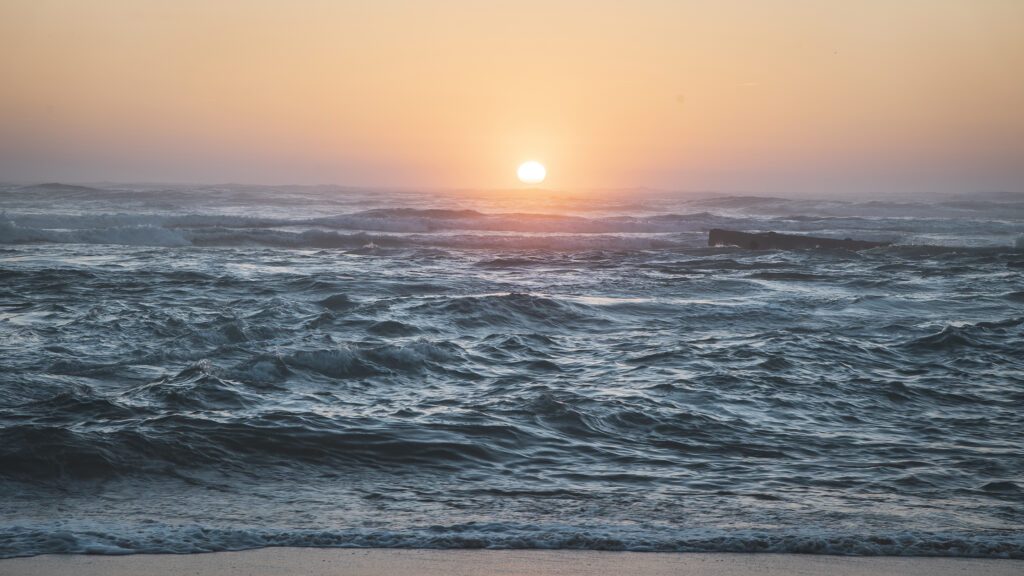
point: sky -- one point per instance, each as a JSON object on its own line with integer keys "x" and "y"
{"x": 776, "y": 97}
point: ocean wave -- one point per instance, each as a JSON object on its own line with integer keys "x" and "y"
{"x": 353, "y": 362}
{"x": 509, "y": 310}
{"x": 996, "y": 206}
{"x": 218, "y": 236}
{"x": 177, "y": 444}
{"x": 183, "y": 539}
{"x": 337, "y": 302}
{"x": 438, "y": 228}
{"x": 368, "y": 243}
{"x": 981, "y": 335}
{"x": 142, "y": 235}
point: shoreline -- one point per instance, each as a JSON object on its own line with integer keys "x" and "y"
{"x": 429, "y": 562}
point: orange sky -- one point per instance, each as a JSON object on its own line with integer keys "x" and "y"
{"x": 765, "y": 96}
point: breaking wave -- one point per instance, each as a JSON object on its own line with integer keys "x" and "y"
{"x": 195, "y": 539}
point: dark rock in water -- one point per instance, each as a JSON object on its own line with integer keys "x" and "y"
{"x": 774, "y": 241}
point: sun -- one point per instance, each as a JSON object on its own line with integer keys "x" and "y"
{"x": 531, "y": 172}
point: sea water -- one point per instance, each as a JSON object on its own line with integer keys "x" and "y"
{"x": 187, "y": 369}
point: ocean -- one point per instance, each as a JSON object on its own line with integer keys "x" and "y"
{"x": 198, "y": 368}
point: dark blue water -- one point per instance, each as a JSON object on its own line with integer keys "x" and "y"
{"x": 197, "y": 369}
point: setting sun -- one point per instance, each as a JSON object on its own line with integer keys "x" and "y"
{"x": 293, "y": 274}
{"x": 531, "y": 172}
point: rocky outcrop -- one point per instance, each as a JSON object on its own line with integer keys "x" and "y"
{"x": 774, "y": 241}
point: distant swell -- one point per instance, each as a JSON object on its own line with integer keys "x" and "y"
{"x": 464, "y": 229}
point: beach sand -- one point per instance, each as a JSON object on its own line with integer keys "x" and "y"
{"x": 389, "y": 562}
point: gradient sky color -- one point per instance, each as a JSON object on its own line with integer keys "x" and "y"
{"x": 813, "y": 96}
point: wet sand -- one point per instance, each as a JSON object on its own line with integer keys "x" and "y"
{"x": 389, "y": 562}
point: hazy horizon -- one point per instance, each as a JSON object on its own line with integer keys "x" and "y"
{"x": 786, "y": 97}
{"x": 524, "y": 191}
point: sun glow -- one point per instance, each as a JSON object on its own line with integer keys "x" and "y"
{"x": 531, "y": 172}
